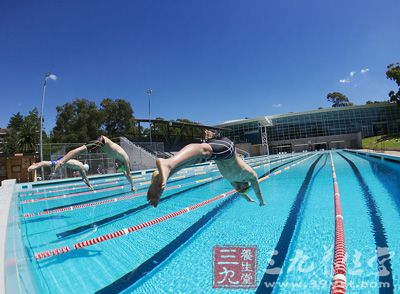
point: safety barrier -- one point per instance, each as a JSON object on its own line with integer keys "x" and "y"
{"x": 338, "y": 285}
{"x": 124, "y": 231}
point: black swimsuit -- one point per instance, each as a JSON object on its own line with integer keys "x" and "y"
{"x": 222, "y": 148}
{"x": 95, "y": 145}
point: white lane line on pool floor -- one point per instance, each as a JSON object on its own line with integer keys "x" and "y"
{"x": 121, "y": 232}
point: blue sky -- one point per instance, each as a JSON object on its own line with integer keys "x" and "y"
{"x": 207, "y": 61}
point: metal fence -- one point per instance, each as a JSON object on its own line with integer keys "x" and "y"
{"x": 99, "y": 163}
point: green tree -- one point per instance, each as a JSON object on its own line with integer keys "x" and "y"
{"x": 160, "y": 129}
{"x": 78, "y": 121}
{"x": 375, "y": 102}
{"x": 338, "y": 99}
{"x": 16, "y": 121}
{"x": 118, "y": 119}
{"x": 10, "y": 147}
{"x": 185, "y": 120}
{"x": 188, "y": 131}
{"x": 393, "y": 73}
{"x": 27, "y": 138}
{"x": 23, "y": 133}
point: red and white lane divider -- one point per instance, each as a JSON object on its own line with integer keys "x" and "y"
{"x": 125, "y": 231}
{"x": 339, "y": 260}
{"x": 80, "y": 206}
{"x": 180, "y": 175}
{"x": 70, "y": 195}
{"x": 132, "y": 229}
{"x": 34, "y": 200}
{"x": 68, "y": 187}
{"x": 285, "y": 168}
{"x": 112, "y": 200}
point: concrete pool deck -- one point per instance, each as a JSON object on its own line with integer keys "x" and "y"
{"x": 6, "y": 192}
{"x": 395, "y": 153}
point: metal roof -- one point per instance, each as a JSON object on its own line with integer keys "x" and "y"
{"x": 267, "y": 120}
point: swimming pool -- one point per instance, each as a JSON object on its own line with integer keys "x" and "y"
{"x": 111, "y": 241}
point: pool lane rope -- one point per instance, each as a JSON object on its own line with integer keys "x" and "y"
{"x": 116, "y": 199}
{"x": 125, "y": 231}
{"x": 338, "y": 285}
{"x": 60, "y": 188}
{"x": 194, "y": 171}
{"x": 113, "y": 200}
{"x": 77, "y": 194}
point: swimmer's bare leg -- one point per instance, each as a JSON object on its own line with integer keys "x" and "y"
{"x": 190, "y": 154}
{"x": 71, "y": 154}
{"x": 127, "y": 174}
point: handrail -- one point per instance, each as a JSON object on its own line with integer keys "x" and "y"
{"x": 338, "y": 285}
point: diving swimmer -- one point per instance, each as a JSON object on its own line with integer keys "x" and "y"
{"x": 219, "y": 149}
{"x": 72, "y": 164}
{"x": 109, "y": 147}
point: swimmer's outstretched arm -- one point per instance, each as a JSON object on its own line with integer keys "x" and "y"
{"x": 256, "y": 187}
{"x": 70, "y": 155}
{"x": 85, "y": 179}
{"x": 244, "y": 195}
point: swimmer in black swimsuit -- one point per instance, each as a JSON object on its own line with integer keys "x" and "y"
{"x": 220, "y": 149}
{"x": 106, "y": 145}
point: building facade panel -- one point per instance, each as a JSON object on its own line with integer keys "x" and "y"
{"x": 366, "y": 120}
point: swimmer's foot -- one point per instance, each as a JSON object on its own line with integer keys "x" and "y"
{"x": 155, "y": 189}
{"x": 163, "y": 170}
{"x": 158, "y": 182}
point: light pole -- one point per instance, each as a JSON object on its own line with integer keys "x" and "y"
{"x": 149, "y": 93}
{"x": 46, "y": 77}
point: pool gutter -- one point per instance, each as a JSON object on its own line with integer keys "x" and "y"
{"x": 378, "y": 155}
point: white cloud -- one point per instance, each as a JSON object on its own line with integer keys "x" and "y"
{"x": 277, "y": 105}
{"x": 351, "y": 76}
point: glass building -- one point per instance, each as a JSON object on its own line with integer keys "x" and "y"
{"x": 341, "y": 127}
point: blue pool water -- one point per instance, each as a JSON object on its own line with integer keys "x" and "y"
{"x": 294, "y": 232}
